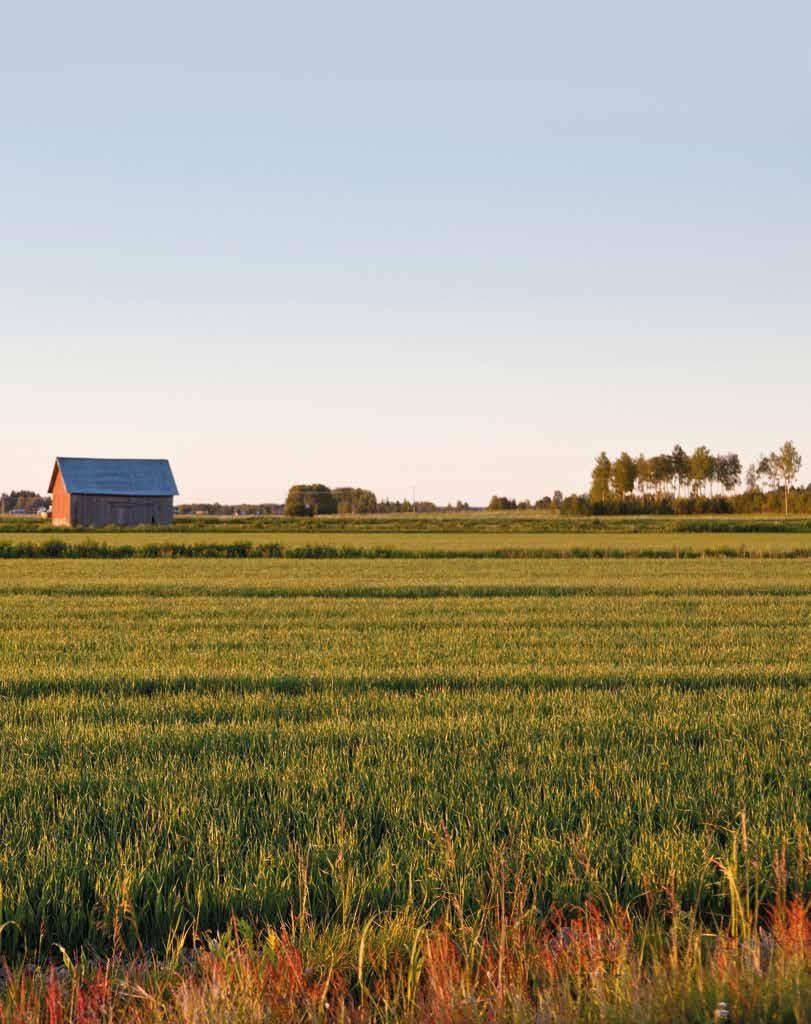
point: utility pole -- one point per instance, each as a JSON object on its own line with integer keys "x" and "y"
{"x": 413, "y": 497}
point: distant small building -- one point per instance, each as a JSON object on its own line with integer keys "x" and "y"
{"x": 122, "y": 492}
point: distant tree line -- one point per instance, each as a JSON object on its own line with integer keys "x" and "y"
{"x": 389, "y": 506}
{"x": 672, "y": 482}
{"x": 24, "y": 501}
{"x": 317, "y": 499}
{"x": 216, "y": 508}
{"x": 499, "y": 503}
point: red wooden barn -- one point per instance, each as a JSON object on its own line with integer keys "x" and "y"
{"x": 124, "y": 492}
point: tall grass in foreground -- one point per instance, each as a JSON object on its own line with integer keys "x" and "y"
{"x": 478, "y": 789}
{"x": 501, "y": 965}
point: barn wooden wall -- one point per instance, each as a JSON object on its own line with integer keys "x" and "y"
{"x": 120, "y": 510}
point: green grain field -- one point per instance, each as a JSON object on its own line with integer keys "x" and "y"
{"x": 464, "y": 542}
{"x": 183, "y": 741}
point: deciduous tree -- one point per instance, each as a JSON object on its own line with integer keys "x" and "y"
{"x": 702, "y": 466}
{"x": 601, "y": 478}
{"x": 643, "y": 473}
{"x": 728, "y": 471}
{"x": 680, "y": 462}
{"x": 788, "y": 463}
{"x": 623, "y": 475}
{"x": 661, "y": 473}
{"x": 767, "y": 469}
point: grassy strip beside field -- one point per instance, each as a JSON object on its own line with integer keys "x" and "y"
{"x": 445, "y": 523}
{"x": 401, "y": 546}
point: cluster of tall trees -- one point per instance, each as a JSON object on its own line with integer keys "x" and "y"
{"x": 310, "y": 500}
{"x": 677, "y": 474}
{"x": 319, "y": 500}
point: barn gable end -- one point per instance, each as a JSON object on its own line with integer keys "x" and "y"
{"x": 60, "y": 505}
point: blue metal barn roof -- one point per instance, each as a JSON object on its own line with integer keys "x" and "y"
{"x": 138, "y": 477}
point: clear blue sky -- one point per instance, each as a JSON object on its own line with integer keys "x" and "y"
{"x": 458, "y": 245}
